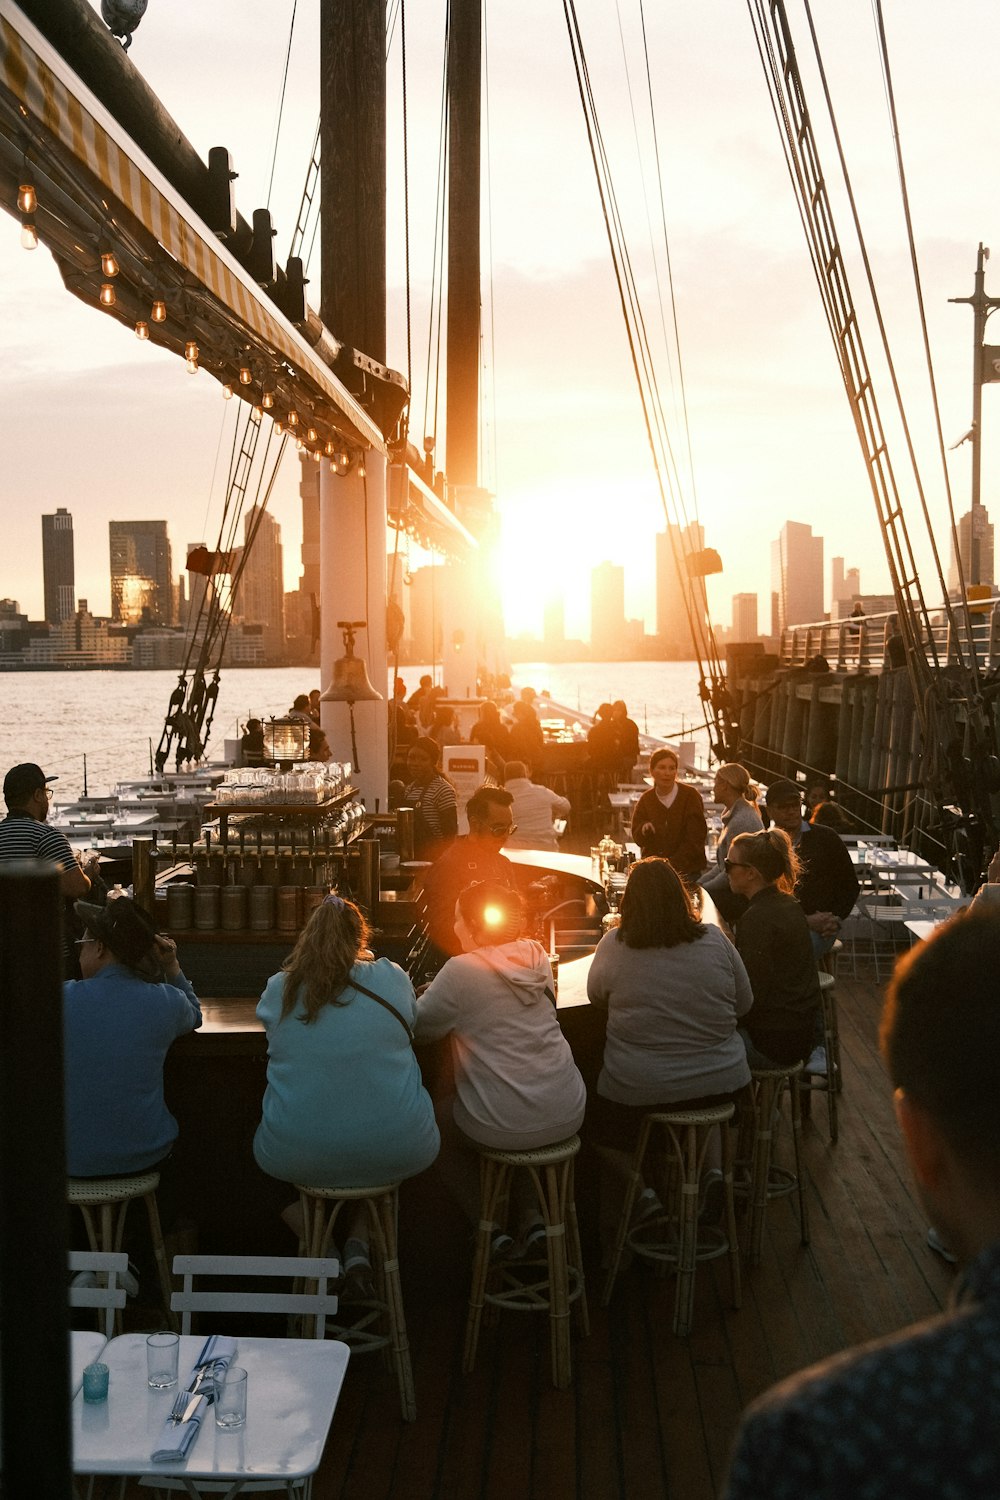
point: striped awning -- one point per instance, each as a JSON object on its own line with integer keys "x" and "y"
{"x": 55, "y": 114}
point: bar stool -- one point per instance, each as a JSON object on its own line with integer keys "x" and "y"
{"x": 321, "y": 1207}
{"x": 766, "y": 1180}
{"x": 684, "y": 1143}
{"x": 831, "y": 1082}
{"x": 112, "y": 1195}
{"x": 551, "y": 1286}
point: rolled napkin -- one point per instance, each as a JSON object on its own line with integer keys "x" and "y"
{"x": 177, "y": 1437}
{"x": 216, "y": 1356}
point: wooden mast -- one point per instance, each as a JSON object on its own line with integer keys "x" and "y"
{"x": 464, "y": 91}
{"x": 352, "y": 301}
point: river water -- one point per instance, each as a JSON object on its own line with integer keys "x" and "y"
{"x": 114, "y": 718}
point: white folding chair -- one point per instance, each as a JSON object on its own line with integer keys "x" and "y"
{"x": 106, "y": 1292}
{"x": 320, "y": 1304}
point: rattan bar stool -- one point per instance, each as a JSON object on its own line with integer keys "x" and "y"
{"x": 768, "y": 1181}
{"x": 674, "y": 1238}
{"x": 830, "y": 1083}
{"x": 321, "y": 1208}
{"x": 106, "y": 1229}
{"x": 553, "y": 1285}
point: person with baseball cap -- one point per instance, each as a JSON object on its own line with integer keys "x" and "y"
{"x": 25, "y": 834}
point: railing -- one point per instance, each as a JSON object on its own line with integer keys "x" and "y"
{"x": 860, "y": 642}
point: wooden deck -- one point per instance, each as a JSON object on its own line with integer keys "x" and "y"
{"x": 650, "y": 1415}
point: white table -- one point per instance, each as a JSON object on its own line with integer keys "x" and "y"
{"x": 292, "y": 1390}
{"x": 84, "y": 1349}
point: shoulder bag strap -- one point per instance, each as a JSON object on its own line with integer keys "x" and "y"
{"x": 384, "y": 1004}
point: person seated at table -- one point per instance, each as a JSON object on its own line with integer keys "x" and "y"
{"x": 527, "y": 739}
{"x": 491, "y": 732}
{"x": 516, "y": 1084}
{"x": 532, "y": 809}
{"x": 626, "y": 739}
{"x": 738, "y": 795}
{"x": 772, "y": 938}
{"x": 433, "y": 799}
{"x": 345, "y": 1104}
{"x": 669, "y": 819}
{"x": 827, "y": 886}
{"x": 119, "y": 1022}
{"x": 674, "y": 989}
{"x": 831, "y": 815}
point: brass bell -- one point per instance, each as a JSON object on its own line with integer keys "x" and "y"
{"x": 350, "y": 683}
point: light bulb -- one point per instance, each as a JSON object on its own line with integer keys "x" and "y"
{"x": 362, "y": 471}
{"x": 267, "y": 400}
{"x": 227, "y": 392}
{"x": 27, "y": 199}
{"x": 246, "y": 375}
{"x": 293, "y": 418}
{"x": 316, "y": 455}
{"x": 158, "y": 313}
{"x": 311, "y": 434}
{"x": 109, "y": 264}
{"x": 108, "y": 297}
{"x": 191, "y": 365}
{"x": 191, "y": 350}
{"x": 299, "y": 444}
{"x": 29, "y": 235}
{"x": 279, "y": 426}
{"x": 258, "y": 412}
{"x": 142, "y": 329}
{"x": 328, "y": 450}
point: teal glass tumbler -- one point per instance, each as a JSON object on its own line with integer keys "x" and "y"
{"x": 95, "y": 1383}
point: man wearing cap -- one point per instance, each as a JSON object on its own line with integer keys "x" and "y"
{"x": 25, "y": 834}
{"x": 119, "y": 1022}
{"x": 827, "y": 888}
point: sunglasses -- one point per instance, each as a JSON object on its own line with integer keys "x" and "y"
{"x": 498, "y": 829}
{"x": 734, "y": 864}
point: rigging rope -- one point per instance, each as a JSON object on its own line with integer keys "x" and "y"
{"x": 281, "y": 104}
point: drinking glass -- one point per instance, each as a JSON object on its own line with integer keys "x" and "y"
{"x": 95, "y": 1383}
{"x": 161, "y": 1360}
{"x": 231, "y": 1398}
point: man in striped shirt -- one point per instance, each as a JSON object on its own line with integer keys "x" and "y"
{"x": 25, "y": 834}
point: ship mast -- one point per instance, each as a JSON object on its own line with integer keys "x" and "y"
{"x": 985, "y": 367}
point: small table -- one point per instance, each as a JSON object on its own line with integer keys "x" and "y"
{"x": 293, "y": 1387}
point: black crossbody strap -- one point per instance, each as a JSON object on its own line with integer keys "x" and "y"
{"x": 385, "y": 1006}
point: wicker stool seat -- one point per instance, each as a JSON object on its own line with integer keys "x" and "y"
{"x": 766, "y": 1180}
{"x": 553, "y": 1285}
{"x": 381, "y": 1322}
{"x": 674, "y": 1238}
{"x": 111, "y": 1196}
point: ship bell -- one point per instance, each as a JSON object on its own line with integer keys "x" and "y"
{"x": 350, "y": 683}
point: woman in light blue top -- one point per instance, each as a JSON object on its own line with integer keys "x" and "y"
{"x": 345, "y": 1105}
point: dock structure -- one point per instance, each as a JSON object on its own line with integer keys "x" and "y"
{"x": 836, "y": 705}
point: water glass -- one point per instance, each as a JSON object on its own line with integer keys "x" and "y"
{"x": 95, "y": 1383}
{"x": 161, "y": 1360}
{"x": 231, "y": 1398}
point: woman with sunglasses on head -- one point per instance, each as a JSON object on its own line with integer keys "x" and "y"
{"x": 772, "y": 937}
{"x": 738, "y": 795}
{"x": 345, "y": 1104}
{"x": 516, "y": 1084}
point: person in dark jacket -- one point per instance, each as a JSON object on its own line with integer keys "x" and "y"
{"x": 669, "y": 820}
{"x": 772, "y": 938}
{"x": 827, "y": 886}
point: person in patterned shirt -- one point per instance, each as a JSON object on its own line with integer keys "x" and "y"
{"x": 914, "y": 1416}
{"x": 25, "y": 834}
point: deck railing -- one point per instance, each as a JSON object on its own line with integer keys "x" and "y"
{"x": 860, "y": 641}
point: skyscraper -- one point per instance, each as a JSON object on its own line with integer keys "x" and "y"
{"x": 607, "y": 609}
{"x": 797, "y": 574}
{"x": 260, "y": 594}
{"x": 141, "y": 572}
{"x": 58, "y": 570}
{"x": 745, "y": 617}
{"x": 975, "y": 539}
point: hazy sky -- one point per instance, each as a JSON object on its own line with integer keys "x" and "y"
{"x": 114, "y": 429}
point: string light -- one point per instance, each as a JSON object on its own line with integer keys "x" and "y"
{"x": 158, "y": 312}
{"x": 142, "y": 329}
{"x": 329, "y": 449}
{"x": 109, "y": 264}
{"x": 29, "y": 235}
{"x": 293, "y": 418}
{"x": 227, "y": 391}
{"x": 362, "y": 471}
{"x": 246, "y": 375}
{"x": 279, "y": 426}
{"x": 191, "y": 356}
{"x": 311, "y": 435}
{"x": 267, "y": 400}
{"x": 258, "y": 412}
{"x": 108, "y": 295}
{"x": 316, "y": 455}
{"x": 27, "y": 199}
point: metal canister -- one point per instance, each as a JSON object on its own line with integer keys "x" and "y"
{"x": 288, "y": 908}
{"x": 312, "y": 896}
{"x": 180, "y": 907}
{"x": 369, "y": 855}
{"x": 405, "y": 819}
{"x": 206, "y": 908}
{"x": 233, "y": 908}
{"x": 261, "y": 908}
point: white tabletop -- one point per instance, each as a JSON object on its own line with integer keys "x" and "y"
{"x": 292, "y": 1390}
{"x": 84, "y": 1349}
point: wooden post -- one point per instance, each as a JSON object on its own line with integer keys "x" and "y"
{"x": 464, "y": 89}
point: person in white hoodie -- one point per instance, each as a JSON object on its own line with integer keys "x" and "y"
{"x": 516, "y": 1084}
